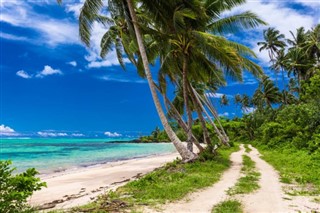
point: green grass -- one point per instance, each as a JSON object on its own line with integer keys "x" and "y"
{"x": 169, "y": 183}
{"x": 247, "y": 148}
{"x": 176, "y": 179}
{"x": 249, "y": 182}
{"x": 229, "y": 206}
{"x": 297, "y": 167}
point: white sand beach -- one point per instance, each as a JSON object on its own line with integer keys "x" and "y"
{"x": 77, "y": 187}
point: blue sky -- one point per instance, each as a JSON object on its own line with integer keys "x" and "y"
{"x": 53, "y": 86}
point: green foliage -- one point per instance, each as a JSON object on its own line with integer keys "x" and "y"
{"x": 314, "y": 143}
{"x": 296, "y": 166}
{"x": 15, "y": 189}
{"x": 234, "y": 129}
{"x": 247, "y": 148}
{"x": 249, "y": 182}
{"x": 294, "y": 125}
{"x": 177, "y": 179}
{"x": 181, "y": 135}
{"x": 288, "y": 136}
{"x": 156, "y": 135}
{"x": 270, "y": 131}
{"x": 171, "y": 182}
{"x": 228, "y": 206}
{"x": 197, "y": 131}
{"x": 311, "y": 88}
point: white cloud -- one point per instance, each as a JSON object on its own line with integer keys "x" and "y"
{"x": 122, "y": 80}
{"x": 13, "y": 37}
{"x": 72, "y": 63}
{"x": 225, "y": 114}
{"x": 93, "y": 56}
{"x": 7, "y": 131}
{"x": 309, "y": 3}
{"x": 48, "y": 71}
{"x": 248, "y": 110}
{"x": 52, "y": 31}
{"x": 98, "y": 30}
{"x": 74, "y": 8}
{"x": 112, "y": 134}
{"x": 215, "y": 95}
{"x": 23, "y": 74}
{"x": 52, "y": 134}
{"x": 109, "y": 61}
{"x": 279, "y": 15}
{"x": 77, "y": 135}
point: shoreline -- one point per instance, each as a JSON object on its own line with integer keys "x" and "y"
{"x": 83, "y": 168}
{"x": 77, "y": 187}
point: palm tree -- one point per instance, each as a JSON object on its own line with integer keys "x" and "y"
{"x": 183, "y": 25}
{"x": 274, "y": 42}
{"x": 280, "y": 64}
{"x": 237, "y": 99}
{"x": 224, "y": 101}
{"x": 185, "y": 153}
{"x": 287, "y": 98}
{"x": 89, "y": 14}
{"x": 267, "y": 94}
{"x": 302, "y": 58}
{"x": 299, "y": 38}
{"x": 189, "y": 53}
{"x": 175, "y": 110}
{"x": 244, "y": 101}
{"x": 312, "y": 44}
{"x": 156, "y": 132}
{"x": 299, "y": 64}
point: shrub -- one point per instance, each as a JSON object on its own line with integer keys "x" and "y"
{"x": 269, "y": 131}
{"x": 15, "y": 189}
{"x": 314, "y": 143}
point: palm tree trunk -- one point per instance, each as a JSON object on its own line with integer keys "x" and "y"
{"x": 284, "y": 87}
{"x": 220, "y": 132}
{"x": 181, "y": 123}
{"x": 220, "y": 136}
{"x": 206, "y": 136}
{"x": 216, "y": 116}
{"x": 299, "y": 83}
{"x": 183, "y": 151}
{"x": 176, "y": 115}
{"x": 186, "y": 103}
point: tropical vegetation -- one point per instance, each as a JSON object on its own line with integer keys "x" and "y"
{"x": 187, "y": 38}
{"x": 285, "y": 123}
{"x": 171, "y": 182}
{"x": 15, "y": 189}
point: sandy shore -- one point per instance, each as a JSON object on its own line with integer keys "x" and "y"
{"x": 77, "y": 187}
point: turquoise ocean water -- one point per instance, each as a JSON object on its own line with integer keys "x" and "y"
{"x": 53, "y": 155}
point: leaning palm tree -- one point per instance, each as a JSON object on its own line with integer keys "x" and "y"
{"x": 90, "y": 13}
{"x": 185, "y": 153}
{"x": 188, "y": 52}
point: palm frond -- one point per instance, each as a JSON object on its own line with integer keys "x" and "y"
{"x": 89, "y": 14}
{"x": 233, "y": 24}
